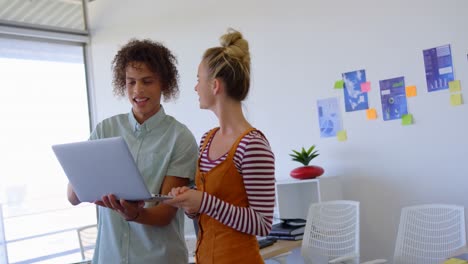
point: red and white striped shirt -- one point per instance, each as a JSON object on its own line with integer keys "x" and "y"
{"x": 256, "y": 163}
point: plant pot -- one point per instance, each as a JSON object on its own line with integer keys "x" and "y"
{"x": 307, "y": 172}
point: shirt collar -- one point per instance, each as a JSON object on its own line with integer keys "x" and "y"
{"x": 150, "y": 123}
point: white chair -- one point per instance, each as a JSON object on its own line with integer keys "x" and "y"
{"x": 332, "y": 233}
{"x": 87, "y": 237}
{"x": 3, "y": 244}
{"x": 429, "y": 233}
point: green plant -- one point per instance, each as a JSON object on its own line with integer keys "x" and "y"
{"x": 304, "y": 156}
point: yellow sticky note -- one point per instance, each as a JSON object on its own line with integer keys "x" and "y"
{"x": 456, "y": 99}
{"x": 341, "y": 135}
{"x": 365, "y": 87}
{"x": 371, "y": 113}
{"x": 411, "y": 91}
{"x": 407, "y": 119}
{"x": 454, "y": 86}
{"x": 339, "y": 84}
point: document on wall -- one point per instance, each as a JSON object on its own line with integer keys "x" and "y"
{"x": 439, "y": 68}
{"x": 393, "y": 97}
{"x": 329, "y": 117}
{"x": 355, "y": 99}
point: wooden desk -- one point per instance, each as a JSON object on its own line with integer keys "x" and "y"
{"x": 278, "y": 248}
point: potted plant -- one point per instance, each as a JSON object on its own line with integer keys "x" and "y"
{"x": 307, "y": 171}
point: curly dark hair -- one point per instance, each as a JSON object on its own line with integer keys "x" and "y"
{"x": 157, "y": 58}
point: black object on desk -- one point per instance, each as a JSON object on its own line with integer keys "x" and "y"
{"x": 265, "y": 242}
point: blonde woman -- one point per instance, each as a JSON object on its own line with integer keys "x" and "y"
{"x": 234, "y": 196}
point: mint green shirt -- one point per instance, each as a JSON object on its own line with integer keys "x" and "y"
{"x": 160, "y": 146}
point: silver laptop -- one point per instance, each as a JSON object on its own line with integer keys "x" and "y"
{"x": 104, "y": 166}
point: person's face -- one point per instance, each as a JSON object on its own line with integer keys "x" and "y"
{"x": 143, "y": 91}
{"x": 204, "y": 87}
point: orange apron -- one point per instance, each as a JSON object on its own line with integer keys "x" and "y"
{"x": 218, "y": 243}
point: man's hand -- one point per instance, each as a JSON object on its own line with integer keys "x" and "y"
{"x": 128, "y": 210}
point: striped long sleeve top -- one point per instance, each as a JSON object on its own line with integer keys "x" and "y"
{"x": 256, "y": 163}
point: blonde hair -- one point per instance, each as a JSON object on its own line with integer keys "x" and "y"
{"x": 231, "y": 63}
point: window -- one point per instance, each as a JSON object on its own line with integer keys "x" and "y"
{"x": 44, "y": 102}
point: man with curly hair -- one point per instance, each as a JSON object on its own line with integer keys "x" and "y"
{"x": 165, "y": 152}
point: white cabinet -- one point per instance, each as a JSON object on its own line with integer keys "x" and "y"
{"x": 293, "y": 197}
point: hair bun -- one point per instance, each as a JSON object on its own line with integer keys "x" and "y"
{"x": 235, "y": 45}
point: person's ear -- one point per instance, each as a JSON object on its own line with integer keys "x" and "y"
{"x": 216, "y": 86}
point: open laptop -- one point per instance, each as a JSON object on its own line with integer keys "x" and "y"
{"x": 104, "y": 166}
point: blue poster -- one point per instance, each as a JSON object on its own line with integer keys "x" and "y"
{"x": 393, "y": 96}
{"x": 329, "y": 117}
{"x": 354, "y": 98}
{"x": 439, "y": 68}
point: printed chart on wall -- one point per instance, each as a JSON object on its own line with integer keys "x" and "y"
{"x": 329, "y": 117}
{"x": 393, "y": 96}
{"x": 355, "y": 99}
{"x": 439, "y": 68}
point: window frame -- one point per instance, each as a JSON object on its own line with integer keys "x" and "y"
{"x": 31, "y": 32}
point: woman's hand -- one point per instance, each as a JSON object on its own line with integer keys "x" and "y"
{"x": 128, "y": 210}
{"x": 186, "y": 198}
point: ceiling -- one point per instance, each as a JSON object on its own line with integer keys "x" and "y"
{"x": 66, "y": 14}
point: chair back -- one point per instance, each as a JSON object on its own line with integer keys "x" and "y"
{"x": 87, "y": 237}
{"x": 3, "y": 243}
{"x": 429, "y": 233}
{"x": 332, "y": 231}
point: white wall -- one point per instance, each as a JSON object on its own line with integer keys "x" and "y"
{"x": 299, "y": 48}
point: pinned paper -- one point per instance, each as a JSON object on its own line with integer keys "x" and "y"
{"x": 455, "y": 99}
{"x": 371, "y": 113}
{"x": 365, "y": 87}
{"x": 339, "y": 84}
{"x": 411, "y": 91}
{"x": 341, "y": 135}
{"x": 454, "y": 86}
{"x": 407, "y": 119}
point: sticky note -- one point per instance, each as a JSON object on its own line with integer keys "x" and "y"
{"x": 456, "y": 99}
{"x": 365, "y": 87}
{"x": 454, "y": 86}
{"x": 371, "y": 113}
{"x": 411, "y": 91}
{"x": 339, "y": 84}
{"x": 407, "y": 119}
{"x": 341, "y": 135}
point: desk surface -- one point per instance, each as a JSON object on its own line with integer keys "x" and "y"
{"x": 278, "y": 248}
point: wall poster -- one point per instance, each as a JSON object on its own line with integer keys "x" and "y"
{"x": 439, "y": 68}
{"x": 329, "y": 117}
{"x": 393, "y": 96}
{"x": 354, "y": 98}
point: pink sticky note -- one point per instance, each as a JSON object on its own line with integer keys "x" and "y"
{"x": 365, "y": 87}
